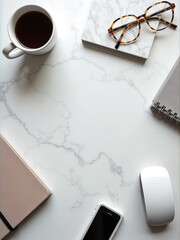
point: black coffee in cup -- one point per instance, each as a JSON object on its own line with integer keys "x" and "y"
{"x": 33, "y": 29}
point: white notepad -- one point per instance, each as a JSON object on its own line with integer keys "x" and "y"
{"x": 167, "y": 100}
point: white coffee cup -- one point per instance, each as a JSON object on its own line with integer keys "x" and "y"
{"x": 16, "y": 48}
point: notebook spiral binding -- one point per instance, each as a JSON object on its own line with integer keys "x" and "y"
{"x": 166, "y": 113}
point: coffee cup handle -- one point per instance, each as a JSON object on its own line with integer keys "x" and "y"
{"x": 11, "y": 51}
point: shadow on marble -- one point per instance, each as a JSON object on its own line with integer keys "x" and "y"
{"x": 166, "y": 122}
{"x": 95, "y": 47}
{"x": 14, "y": 234}
{"x": 157, "y": 230}
{"x": 28, "y": 70}
{"x": 32, "y": 64}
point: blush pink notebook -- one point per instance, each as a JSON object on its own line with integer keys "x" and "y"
{"x": 21, "y": 191}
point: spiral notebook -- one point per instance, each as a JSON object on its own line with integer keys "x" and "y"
{"x": 167, "y": 101}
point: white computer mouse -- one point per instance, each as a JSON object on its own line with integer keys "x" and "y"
{"x": 158, "y": 196}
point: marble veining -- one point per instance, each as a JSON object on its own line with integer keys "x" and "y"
{"x": 80, "y": 118}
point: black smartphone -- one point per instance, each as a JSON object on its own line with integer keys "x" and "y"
{"x": 103, "y": 225}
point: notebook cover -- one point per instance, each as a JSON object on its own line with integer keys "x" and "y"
{"x": 167, "y": 100}
{"x": 21, "y": 191}
{"x": 101, "y": 16}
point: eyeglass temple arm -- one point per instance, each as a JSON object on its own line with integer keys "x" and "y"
{"x": 110, "y": 30}
{"x": 174, "y": 26}
{"x": 133, "y": 23}
{"x": 119, "y": 41}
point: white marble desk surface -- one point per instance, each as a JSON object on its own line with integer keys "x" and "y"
{"x": 80, "y": 118}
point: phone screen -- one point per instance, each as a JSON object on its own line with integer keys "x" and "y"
{"x": 102, "y": 225}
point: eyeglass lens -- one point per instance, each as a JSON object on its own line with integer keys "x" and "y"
{"x": 156, "y": 17}
{"x": 131, "y": 31}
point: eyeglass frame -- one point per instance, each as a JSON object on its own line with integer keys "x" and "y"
{"x": 140, "y": 19}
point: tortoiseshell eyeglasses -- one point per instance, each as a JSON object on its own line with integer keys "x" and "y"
{"x": 126, "y": 29}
